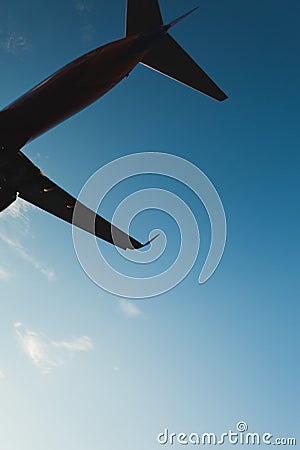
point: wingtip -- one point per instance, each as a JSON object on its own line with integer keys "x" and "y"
{"x": 150, "y": 240}
{"x": 137, "y": 245}
{"x": 223, "y": 97}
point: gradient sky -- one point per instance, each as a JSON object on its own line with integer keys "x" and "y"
{"x": 83, "y": 369}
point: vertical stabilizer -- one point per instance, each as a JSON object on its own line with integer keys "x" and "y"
{"x": 142, "y": 15}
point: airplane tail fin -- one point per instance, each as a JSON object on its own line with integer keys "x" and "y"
{"x": 142, "y": 15}
{"x": 168, "y": 57}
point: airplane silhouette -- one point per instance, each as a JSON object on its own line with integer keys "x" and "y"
{"x": 73, "y": 88}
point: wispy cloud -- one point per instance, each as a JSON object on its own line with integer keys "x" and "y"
{"x": 2, "y": 376}
{"x": 18, "y": 213}
{"x": 46, "y": 354}
{"x": 87, "y": 32}
{"x": 13, "y": 42}
{"x": 38, "y": 349}
{"x": 82, "y": 6}
{"x": 18, "y": 247}
{"x": 129, "y": 309}
{"x": 5, "y": 275}
{"x": 18, "y": 210}
{"x": 80, "y": 344}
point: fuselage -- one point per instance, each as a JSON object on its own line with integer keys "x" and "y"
{"x": 66, "y": 92}
{"x": 72, "y": 88}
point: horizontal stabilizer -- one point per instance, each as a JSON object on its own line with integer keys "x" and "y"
{"x": 169, "y": 58}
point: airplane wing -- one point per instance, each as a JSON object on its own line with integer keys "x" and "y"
{"x": 169, "y": 58}
{"x": 45, "y": 194}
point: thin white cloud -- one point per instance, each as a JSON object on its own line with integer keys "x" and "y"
{"x": 18, "y": 214}
{"x": 37, "y": 349}
{"x": 87, "y": 32}
{"x": 2, "y": 376}
{"x": 5, "y": 275}
{"x": 18, "y": 210}
{"x": 46, "y": 271}
{"x": 13, "y": 42}
{"x": 82, "y": 6}
{"x": 46, "y": 354}
{"x": 129, "y": 309}
{"x": 80, "y": 344}
{"x": 38, "y": 265}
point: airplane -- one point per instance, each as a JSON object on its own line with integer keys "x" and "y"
{"x": 73, "y": 88}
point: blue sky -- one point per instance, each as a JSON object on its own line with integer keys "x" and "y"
{"x": 81, "y": 368}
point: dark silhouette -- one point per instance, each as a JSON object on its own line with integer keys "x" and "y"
{"x": 74, "y": 87}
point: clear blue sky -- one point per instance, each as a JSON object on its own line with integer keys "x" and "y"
{"x": 83, "y": 369}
